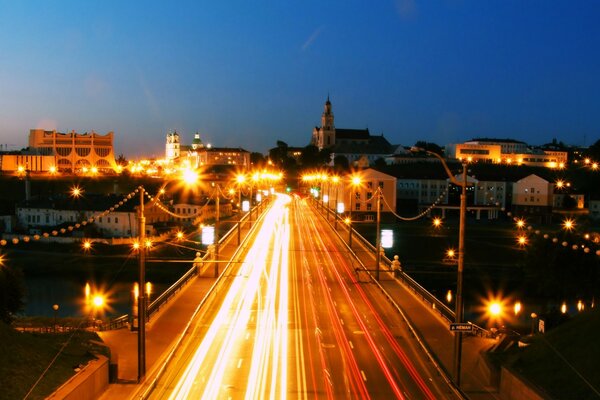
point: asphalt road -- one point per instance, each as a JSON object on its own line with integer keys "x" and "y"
{"x": 298, "y": 322}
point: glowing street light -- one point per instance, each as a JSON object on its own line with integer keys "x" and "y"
{"x": 437, "y": 222}
{"x": 568, "y": 224}
{"x": 355, "y": 181}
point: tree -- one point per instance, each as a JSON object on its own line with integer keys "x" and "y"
{"x": 257, "y": 159}
{"x": 434, "y": 148}
{"x": 312, "y": 157}
{"x": 12, "y": 291}
{"x": 121, "y": 160}
{"x": 594, "y": 151}
{"x": 341, "y": 163}
{"x": 379, "y": 163}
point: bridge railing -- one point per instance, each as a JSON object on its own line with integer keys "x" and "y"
{"x": 156, "y": 305}
{"x": 427, "y": 297}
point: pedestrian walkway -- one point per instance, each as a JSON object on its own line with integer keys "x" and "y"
{"x": 434, "y": 331}
{"x": 161, "y": 334}
{"x": 162, "y": 331}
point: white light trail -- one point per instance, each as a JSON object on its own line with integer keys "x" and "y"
{"x": 228, "y": 334}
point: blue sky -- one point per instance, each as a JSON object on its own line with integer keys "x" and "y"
{"x": 249, "y": 73}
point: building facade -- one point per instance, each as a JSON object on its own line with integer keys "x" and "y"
{"x": 75, "y": 152}
{"x": 506, "y": 152}
{"x": 358, "y": 146}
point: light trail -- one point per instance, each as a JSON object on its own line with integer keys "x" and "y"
{"x": 226, "y": 336}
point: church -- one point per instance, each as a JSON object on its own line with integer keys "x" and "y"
{"x": 197, "y": 154}
{"x": 357, "y": 145}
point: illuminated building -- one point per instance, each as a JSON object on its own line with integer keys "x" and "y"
{"x": 75, "y": 152}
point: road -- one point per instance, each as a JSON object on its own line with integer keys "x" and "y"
{"x": 297, "y": 322}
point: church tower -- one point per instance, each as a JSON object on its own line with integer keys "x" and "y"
{"x": 327, "y": 127}
{"x": 172, "y": 148}
{"x": 324, "y": 136}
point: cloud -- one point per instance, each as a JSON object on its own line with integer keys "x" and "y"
{"x": 312, "y": 38}
{"x": 406, "y": 8}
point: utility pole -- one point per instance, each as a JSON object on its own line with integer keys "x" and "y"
{"x": 141, "y": 295}
{"x": 378, "y": 235}
{"x": 217, "y": 236}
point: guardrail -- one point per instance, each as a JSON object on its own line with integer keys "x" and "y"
{"x": 146, "y": 391}
{"x": 155, "y": 306}
{"x": 436, "y": 304}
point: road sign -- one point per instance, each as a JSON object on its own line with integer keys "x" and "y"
{"x": 463, "y": 327}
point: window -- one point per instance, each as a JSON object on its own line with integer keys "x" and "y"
{"x": 380, "y": 185}
{"x": 357, "y": 196}
{"x": 47, "y": 219}
{"x": 116, "y": 220}
{"x": 532, "y": 190}
{"x": 369, "y": 207}
{"x": 100, "y": 219}
{"x": 108, "y": 220}
{"x": 357, "y": 207}
{"x": 370, "y": 185}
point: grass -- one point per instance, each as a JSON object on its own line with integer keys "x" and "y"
{"x": 25, "y": 356}
{"x": 564, "y": 361}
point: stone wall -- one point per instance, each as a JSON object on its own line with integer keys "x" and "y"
{"x": 87, "y": 384}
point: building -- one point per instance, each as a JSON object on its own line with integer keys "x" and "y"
{"x": 506, "y": 151}
{"x": 198, "y": 154}
{"x": 361, "y": 199}
{"x": 354, "y": 144}
{"x": 74, "y": 152}
{"x": 533, "y": 195}
{"x": 39, "y": 215}
{"x": 594, "y": 208}
{"x": 20, "y": 162}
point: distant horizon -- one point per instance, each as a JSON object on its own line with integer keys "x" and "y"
{"x": 183, "y": 137}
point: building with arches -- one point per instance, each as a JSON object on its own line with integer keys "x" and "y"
{"x": 75, "y": 152}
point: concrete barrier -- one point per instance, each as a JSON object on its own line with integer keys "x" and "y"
{"x": 514, "y": 387}
{"x": 87, "y": 384}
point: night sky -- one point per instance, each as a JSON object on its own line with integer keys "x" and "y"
{"x": 249, "y": 73}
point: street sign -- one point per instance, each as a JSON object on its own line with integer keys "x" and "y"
{"x": 463, "y": 327}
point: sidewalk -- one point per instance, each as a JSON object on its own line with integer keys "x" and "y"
{"x": 162, "y": 331}
{"x": 434, "y": 331}
{"x": 161, "y": 334}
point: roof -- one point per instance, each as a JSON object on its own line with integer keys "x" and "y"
{"x": 375, "y": 145}
{"x": 496, "y": 140}
{"x": 355, "y": 134}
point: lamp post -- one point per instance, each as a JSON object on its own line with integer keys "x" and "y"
{"x": 217, "y": 234}
{"x": 461, "y": 260}
{"x": 355, "y": 182}
{"x": 378, "y": 234}
{"x": 141, "y": 296}
{"x": 240, "y": 179}
{"x": 335, "y": 180}
{"x": 55, "y": 308}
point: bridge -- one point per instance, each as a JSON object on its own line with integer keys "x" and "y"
{"x": 320, "y": 326}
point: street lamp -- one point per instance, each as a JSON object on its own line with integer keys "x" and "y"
{"x": 461, "y": 259}
{"x": 355, "y": 181}
{"x": 336, "y": 180}
{"x": 378, "y": 233}
{"x": 55, "y": 308}
{"x": 240, "y": 179}
{"x": 142, "y": 296}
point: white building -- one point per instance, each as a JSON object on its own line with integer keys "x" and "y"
{"x": 532, "y": 195}
{"x": 46, "y": 215}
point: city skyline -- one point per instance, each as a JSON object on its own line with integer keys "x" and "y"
{"x": 246, "y": 76}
